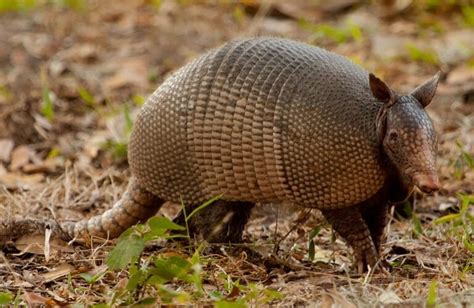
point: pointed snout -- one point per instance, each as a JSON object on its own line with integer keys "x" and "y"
{"x": 427, "y": 183}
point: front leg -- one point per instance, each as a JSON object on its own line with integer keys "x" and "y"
{"x": 349, "y": 223}
{"x": 376, "y": 218}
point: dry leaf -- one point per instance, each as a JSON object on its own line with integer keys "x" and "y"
{"x": 47, "y": 166}
{"x": 35, "y": 244}
{"x": 132, "y": 72}
{"x": 6, "y": 147}
{"x": 34, "y": 299}
{"x": 20, "y": 157}
{"x": 18, "y": 181}
{"x": 389, "y": 297}
{"x": 334, "y": 299}
{"x": 61, "y": 270}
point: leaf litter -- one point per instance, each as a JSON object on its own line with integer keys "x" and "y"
{"x": 53, "y": 162}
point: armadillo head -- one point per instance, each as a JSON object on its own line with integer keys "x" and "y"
{"x": 408, "y": 137}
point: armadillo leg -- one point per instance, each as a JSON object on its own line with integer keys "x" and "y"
{"x": 220, "y": 222}
{"x": 136, "y": 205}
{"x": 376, "y": 218}
{"x": 349, "y": 223}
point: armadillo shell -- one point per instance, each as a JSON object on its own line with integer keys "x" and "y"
{"x": 262, "y": 120}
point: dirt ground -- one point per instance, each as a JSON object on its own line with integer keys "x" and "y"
{"x": 72, "y": 78}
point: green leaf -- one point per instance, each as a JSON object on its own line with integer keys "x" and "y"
{"x": 91, "y": 279}
{"x": 468, "y": 244}
{"x": 239, "y": 14}
{"x": 468, "y": 13}
{"x": 138, "y": 100}
{"x": 162, "y": 223}
{"x": 171, "y": 268}
{"x": 311, "y": 250}
{"x": 87, "y": 97}
{"x": 118, "y": 148}
{"x": 6, "y": 298}
{"x": 230, "y": 304}
{"x": 432, "y": 294}
{"x": 47, "y": 105}
{"x": 314, "y": 232}
{"x": 87, "y": 277}
{"x": 73, "y": 4}
{"x": 127, "y": 250}
{"x": 128, "y": 120}
{"x": 55, "y": 152}
{"x": 447, "y": 218}
{"x": 311, "y": 246}
{"x": 422, "y": 55}
{"x": 15, "y": 5}
{"x": 417, "y": 224}
{"x": 136, "y": 279}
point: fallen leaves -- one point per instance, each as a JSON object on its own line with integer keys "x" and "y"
{"x": 20, "y": 181}
{"x": 131, "y": 72}
{"x": 6, "y": 147}
{"x": 36, "y": 244}
{"x": 62, "y": 270}
{"x": 20, "y": 157}
{"x": 25, "y": 168}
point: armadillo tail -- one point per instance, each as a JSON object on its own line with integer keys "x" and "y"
{"x": 136, "y": 205}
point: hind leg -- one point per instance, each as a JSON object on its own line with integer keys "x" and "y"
{"x": 221, "y": 222}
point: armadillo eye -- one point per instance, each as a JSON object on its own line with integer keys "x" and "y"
{"x": 393, "y": 136}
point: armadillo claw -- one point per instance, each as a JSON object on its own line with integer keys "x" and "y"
{"x": 366, "y": 259}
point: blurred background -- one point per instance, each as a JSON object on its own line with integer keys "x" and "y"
{"x": 67, "y": 67}
{"x": 74, "y": 72}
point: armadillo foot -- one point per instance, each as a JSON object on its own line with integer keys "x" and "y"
{"x": 365, "y": 259}
{"x": 349, "y": 224}
{"x": 221, "y": 222}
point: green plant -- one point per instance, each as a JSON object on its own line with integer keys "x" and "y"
{"x": 432, "y": 296}
{"x": 311, "y": 246}
{"x": 47, "y": 103}
{"x": 72, "y": 4}
{"x": 468, "y": 14}
{"x": 25, "y": 5}
{"x": 118, "y": 147}
{"x": 239, "y": 14}
{"x": 87, "y": 97}
{"x": 422, "y": 55}
{"x": 462, "y": 222}
{"x": 6, "y": 298}
{"x": 342, "y": 34}
{"x": 17, "y": 5}
{"x": 463, "y": 161}
{"x": 415, "y": 220}
{"x": 176, "y": 278}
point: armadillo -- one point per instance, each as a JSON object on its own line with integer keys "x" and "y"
{"x": 271, "y": 120}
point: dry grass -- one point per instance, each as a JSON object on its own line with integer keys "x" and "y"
{"x": 66, "y": 174}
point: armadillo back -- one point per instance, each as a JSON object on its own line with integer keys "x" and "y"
{"x": 263, "y": 120}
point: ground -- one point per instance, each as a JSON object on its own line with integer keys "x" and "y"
{"x": 73, "y": 74}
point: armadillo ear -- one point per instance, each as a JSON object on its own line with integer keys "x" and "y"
{"x": 425, "y": 92}
{"x": 379, "y": 89}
